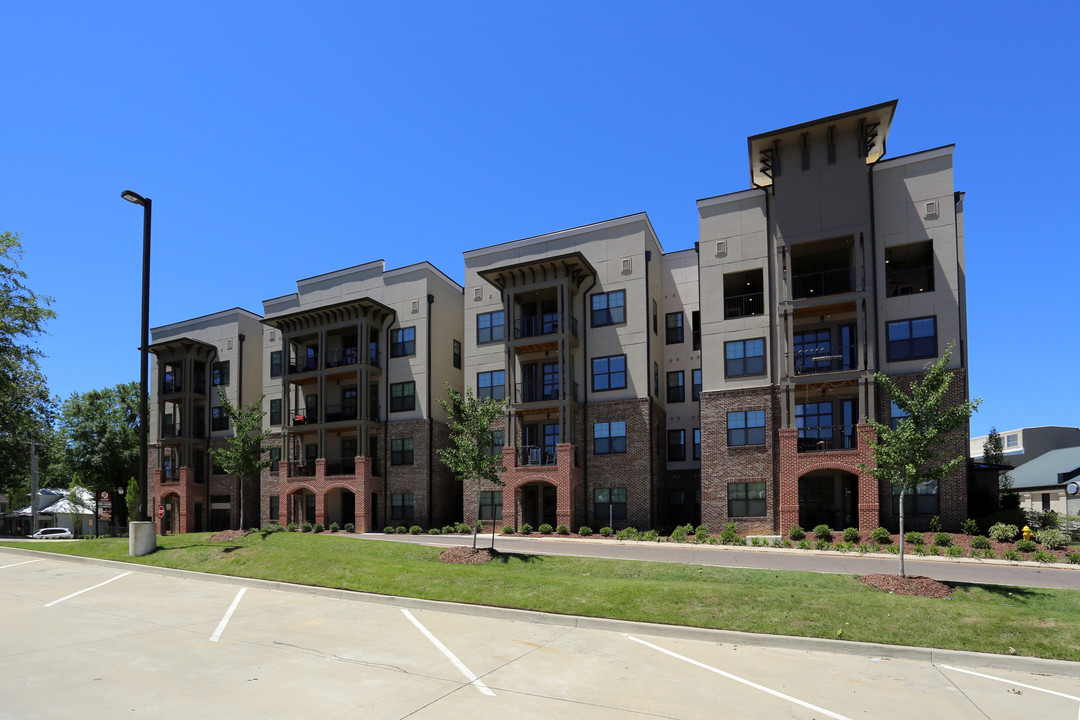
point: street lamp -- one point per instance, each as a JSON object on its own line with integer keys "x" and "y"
{"x": 144, "y": 371}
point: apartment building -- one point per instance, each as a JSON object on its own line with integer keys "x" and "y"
{"x": 354, "y": 363}
{"x": 192, "y": 362}
{"x": 1023, "y": 445}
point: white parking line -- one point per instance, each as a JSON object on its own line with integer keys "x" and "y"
{"x": 736, "y": 678}
{"x": 473, "y": 680}
{"x": 1012, "y": 682}
{"x": 25, "y": 562}
{"x": 68, "y": 597}
{"x": 228, "y": 614}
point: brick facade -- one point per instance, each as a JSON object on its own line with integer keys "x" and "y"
{"x": 628, "y": 470}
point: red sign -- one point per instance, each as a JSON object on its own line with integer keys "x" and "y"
{"x": 104, "y": 496}
{"x": 161, "y": 511}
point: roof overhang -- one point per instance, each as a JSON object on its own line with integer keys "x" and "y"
{"x": 571, "y": 265}
{"x": 330, "y": 314}
{"x": 182, "y": 346}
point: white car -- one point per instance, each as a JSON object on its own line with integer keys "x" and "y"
{"x": 53, "y": 533}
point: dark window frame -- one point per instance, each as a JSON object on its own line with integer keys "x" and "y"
{"x": 218, "y": 419}
{"x": 457, "y": 354}
{"x": 676, "y": 450}
{"x": 219, "y": 373}
{"x": 403, "y": 402}
{"x": 609, "y": 443}
{"x": 609, "y": 503}
{"x": 491, "y": 332}
{"x": 740, "y": 366}
{"x": 276, "y": 366}
{"x": 674, "y": 334}
{"x": 492, "y": 390}
{"x": 491, "y": 504}
{"x": 695, "y": 384}
{"x": 401, "y": 451}
{"x": 741, "y": 502}
{"x": 914, "y": 346}
{"x": 275, "y": 414}
{"x": 402, "y": 507}
{"x": 403, "y": 341}
{"x": 676, "y": 393}
{"x": 609, "y": 314}
{"x": 608, "y": 373}
{"x": 746, "y": 435}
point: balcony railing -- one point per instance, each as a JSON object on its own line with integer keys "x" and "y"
{"x": 534, "y": 455}
{"x": 826, "y": 282}
{"x": 826, "y": 438}
{"x": 306, "y": 364}
{"x": 539, "y": 391}
{"x": 305, "y": 417}
{"x": 810, "y": 361}
{"x": 170, "y": 430}
{"x": 737, "y": 306}
{"x": 909, "y": 282}
{"x": 174, "y": 385}
{"x": 349, "y": 358}
{"x": 302, "y": 468}
{"x": 337, "y": 413}
{"x": 341, "y": 466}
{"x": 543, "y": 325}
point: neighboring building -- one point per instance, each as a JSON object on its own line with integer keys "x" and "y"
{"x": 1025, "y": 444}
{"x": 192, "y": 362}
{"x": 55, "y": 508}
{"x": 1041, "y": 483}
{"x": 354, "y": 363}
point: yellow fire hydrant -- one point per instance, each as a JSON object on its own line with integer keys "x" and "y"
{"x": 1027, "y": 532}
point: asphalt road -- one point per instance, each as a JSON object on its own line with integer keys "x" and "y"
{"x": 992, "y": 572}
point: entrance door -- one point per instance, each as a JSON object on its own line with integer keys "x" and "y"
{"x": 171, "y": 522}
{"x": 817, "y": 501}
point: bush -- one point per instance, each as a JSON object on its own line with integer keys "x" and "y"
{"x": 305, "y": 527}
{"x": 892, "y": 549}
{"x": 1051, "y": 538}
{"x": 508, "y": 530}
{"x": 350, "y": 528}
{"x": 987, "y": 553}
{"x": 942, "y": 539}
{"x": 630, "y": 533}
{"x": 921, "y": 550}
{"x": 389, "y": 529}
{"x": 1043, "y": 556}
{"x": 291, "y": 527}
{"x": 434, "y": 531}
{"x": 1026, "y": 546}
{"x": 881, "y": 536}
{"x": 317, "y": 527}
{"x": 562, "y": 530}
{"x": 851, "y": 535}
{"x": 650, "y": 536}
{"x": 969, "y": 527}
{"x": 915, "y": 538}
{"x": 447, "y": 529}
{"x": 803, "y": 544}
{"x": 584, "y": 531}
{"x": 1038, "y": 520}
{"x": 463, "y": 527}
{"x": 1073, "y": 558}
{"x": 701, "y": 533}
{"x": 796, "y": 533}
{"x": 605, "y": 531}
{"x": 821, "y": 544}
{"x": 402, "y": 530}
{"x": 934, "y": 525}
{"x": 844, "y": 547}
{"x": 679, "y": 534}
{"x": 823, "y": 532}
{"x": 1003, "y": 532}
{"x": 334, "y": 527}
{"x": 544, "y": 529}
{"x": 1013, "y": 555}
{"x": 782, "y": 542}
{"x": 980, "y": 542}
{"x": 730, "y": 534}
{"x": 954, "y": 551}
{"x": 526, "y": 529}
{"x": 863, "y": 548}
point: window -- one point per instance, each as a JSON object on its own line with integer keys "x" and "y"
{"x": 1046, "y": 502}
{"x": 896, "y": 415}
{"x": 656, "y": 379}
{"x": 401, "y": 507}
{"x": 922, "y": 501}
{"x": 655, "y": 331}
{"x": 491, "y": 505}
{"x": 697, "y": 443}
{"x": 491, "y": 384}
{"x": 609, "y": 504}
{"x": 1012, "y": 441}
{"x": 402, "y": 396}
{"x": 275, "y": 363}
{"x": 695, "y": 380}
{"x": 401, "y": 451}
{"x": 609, "y": 373}
{"x": 498, "y": 439}
{"x": 912, "y": 339}
{"x": 490, "y": 327}
{"x": 609, "y": 437}
{"x": 744, "y": 357}
{"x": 219, "y": 373}
{"x": 674, "y": 323}
{"x": 275, "y": 505}
{"x": 457, "y": 354}
{"x": 403, "y": 342}
{"x": 218, "y": 419}
{"x": 746, "y": 428}
{"x": 275, "y": 411}
{"x": 676, "y": 390}
{"x": 695, "y": 330}
{"x": 746, "y": 499}
{"x": 609, "y": 308}
{"x": 676, "y": 445}
{"x": 275, "y": 458}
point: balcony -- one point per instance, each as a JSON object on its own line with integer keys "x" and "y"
{"x": 305, "y": 417}
{"x": 341, "y": 360}
{"x": 536, "y": 391}
{"x": 828, "y": 438}
{"x": 170, "y": 430}
{"x": 302, "y": 365}
{"x": 541, "y": 325}
{"x": 535, "y": 455}
{"x": 737, "y": 306}
{"x": 171, "y": 385}
{"x": 302, "y": 468}
{"x": 909, "y": 282}
{"x": 338, "y": 413}
{"x": 839, "y": 358}
{"x": 825, "y": 282}
{"x": 341, "y": 466}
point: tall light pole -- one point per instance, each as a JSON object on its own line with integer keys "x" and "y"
{"x": 144, "y": 347}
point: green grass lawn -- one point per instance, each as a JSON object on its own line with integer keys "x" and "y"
{"x": 1036, "y": 622}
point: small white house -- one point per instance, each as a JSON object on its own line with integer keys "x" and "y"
{"x": 57, "y": 507}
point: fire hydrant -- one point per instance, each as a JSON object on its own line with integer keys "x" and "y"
{"x": 1026, "y": 532}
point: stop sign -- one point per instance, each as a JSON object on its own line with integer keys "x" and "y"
{"x": 161, "y": 511}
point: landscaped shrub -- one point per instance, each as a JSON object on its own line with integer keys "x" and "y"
{"x": 447, "y": 529}
{"x": 969, "y": 527}
{"x": 605, "y": 531}
{"x": 844, "y": 547}
{"x": 317, "y": 527}
{"x": 934, "y": 525}
{"x": 934, "y": 550}
{"x": 1026, "y": 546}
{"x": 291, "y": 527}
{"x": 1043, "y": 556}
{"x": 804, "y": 544}
{"x": 334, "y": 527}
{"x": 980, "y": 542}
{"x": 1013, "y": 555}
{"x": 402, "y": 530}
{"x": 463, "y": 527}
{"x": 434, "y": 531}
{"x": 508, "y": 529}
{"x": 823, "y": 532}
{"x": 1003, "y": 532}
{"x": 851, "y": 535}
{"x": 1051, "y": 538}
{"x": 880, "y": 535}
{"x": 584, "y": 531}
{"x": 1073, "y": 558}
{"x": 987, "y": 553}
{"x": 796, "y": 533}
{"x": 389, "y": 529}
{"x": 544, "y": 529}
{"x": 942, "y": 539}
{"x": 954, "y": 551}
{"x": 782, "y": 542}
{"x": 921, "y": 549}
{"x": 915, "y": 538}
{"x": 306, "y": 527}
{"x": 679, "y": 534}
{"x": 701, "y": 533}
{"x": 526, "y": 529}
{"x": 730, "y": 534}
{"x": 821, "y": 544}
{"x": 562, "y": 530}
{"x": 863, "y": 548}
{"x": 630, "y": 533}
{"x": 650, "y": 536}
{"x": 350, "y": 528}
{"x": 892, "y": 549}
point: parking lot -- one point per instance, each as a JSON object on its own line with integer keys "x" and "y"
{"x": 91, "y": 639}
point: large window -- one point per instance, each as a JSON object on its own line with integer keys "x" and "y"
{"x": 609, "y": 437}
{"x": 401, "y": 507}
{"x": 275, "y": 411}
{"x": 896, "y": 415}
{"x": 609, "y": 373}
{"x": 697, "y": 443}
{"x": 218, "y": 419}
{"x": 497, "y": 441}
{"x": 746, "y": 499}
{"x": 674, "y": 328}
{"x": 402, "y": 396}
{"x": 695, "y": 384}
{"x": 403, "y": 342}
{"x": 490, "y": 327}
{"x": 457, "y": 354}
{"x": 275, "y": 363}
{"x": 609, "y": 504}
{"x": 275, "y": 458}
{"x": 676, "y": 387}
{"x": 695, "y": 331}
{"x": 491, "y": 505}
{"x": 744, "y": 357}
{"x": 401, "y": 451}
{"x": 219, "y": 373}
{"x": 676, "y": 445}
{"x": 491, "y": 384}
{"x": 746, "y": 428}
{"x": 912, "y": 339}
{"x": 609, "y": 308}
{"x": 922, "y": 501}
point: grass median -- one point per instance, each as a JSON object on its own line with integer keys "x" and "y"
{"x": 983, "y": 618}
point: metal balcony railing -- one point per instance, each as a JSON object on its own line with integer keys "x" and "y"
{"x": 302, "y": 468}
{"x": 348, "y": 357}
{"x": 543, "y": 325}
{"x": 170, "y": 430}
{"x": 304, "y": 417}
{"x": 737, "y": 306}
{"x": 810, "y": 361}
{"x": 909, "y": 282}
{"x": 337, "y": 413}
{"x": 305, "y": 364}
{"x": 828, "y": 437}
{"x": 826, "y": 282}
{"x": 540, "y": 391}
{"x": 173, "y": 385}
{"x": 535, "y": 455}
{"x": 341, "y": 466}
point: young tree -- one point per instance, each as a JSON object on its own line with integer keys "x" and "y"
{"x": 75, "y": 501}
{"x": 100, "y": 429}
{"x": 131, "y": 498}
{"x": 467, "y": 457}
{"x": 915, "y": 452}
{"x": 243, "y": 455}
{"x": 994, "y": 454}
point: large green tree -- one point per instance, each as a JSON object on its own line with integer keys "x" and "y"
{"x": 26, "y": 410}
{"x": 917, "y": 450}
{"x": 468, "y": 456}
{"x": 100, "y": 429}
{"x": 243, "y": 453}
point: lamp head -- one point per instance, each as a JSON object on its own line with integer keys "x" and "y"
{"x": 133, "y": 197}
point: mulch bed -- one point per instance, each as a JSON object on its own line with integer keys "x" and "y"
{"x": 910, "y": 585}
{"x": 462, "y": 555}
{"x": 229, "y": 535}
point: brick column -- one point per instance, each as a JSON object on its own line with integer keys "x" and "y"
{"x": 564, "y": 493}
{"x": 869, "y": 502}
{"x": 789, "y": 479}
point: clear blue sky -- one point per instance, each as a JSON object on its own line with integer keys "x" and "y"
{"x": 281, "y": 140}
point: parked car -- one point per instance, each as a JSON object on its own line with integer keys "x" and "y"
{"x": 53, "y": 534}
